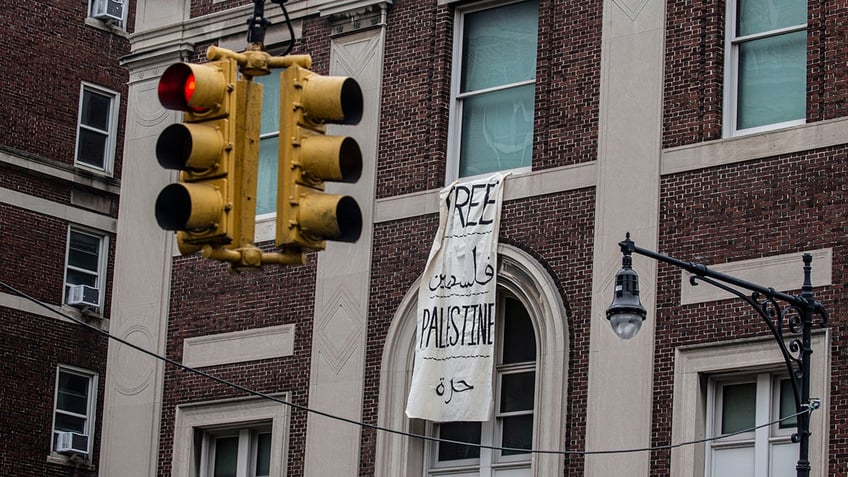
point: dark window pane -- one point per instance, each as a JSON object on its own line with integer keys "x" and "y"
{"x": 462, "y": 432}
{"x": 226, "y": 456}
{"x": 75, "y": 403}
{"x": 84, "y": 251}
{"x": 73, "y": 383}
{"x": 787, "y": 404}
{"x": 65, "y": 422}
{"x": 517, "y": 434}
{"x": 95, "y": 110}
{"x": 519, "y": 338}
{"x": 263, "y": 454}
{"x": 517, "y": 391}
{"x": 92, "y": 148}
{"x": 80, "y": 278}
{"x": 739, "y": 405}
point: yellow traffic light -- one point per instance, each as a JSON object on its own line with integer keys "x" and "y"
{"x": 201, "y": 207}
{"x": 306, "y": 215}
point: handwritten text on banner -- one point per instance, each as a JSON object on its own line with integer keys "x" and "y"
{"x": 455, "y": 342}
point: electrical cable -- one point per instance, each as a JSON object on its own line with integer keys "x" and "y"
{"x": 282, "y": 4}
{"x": 365, "y": 425}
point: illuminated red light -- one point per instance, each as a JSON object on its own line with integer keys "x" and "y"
{"x": 190, "y": 86}
{"x": 177, "y": 88}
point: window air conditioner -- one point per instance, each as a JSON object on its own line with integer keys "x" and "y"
{"x": 83, "y": 295}
{"x": 108, "y": 10}
{"x": 71, "y": 443}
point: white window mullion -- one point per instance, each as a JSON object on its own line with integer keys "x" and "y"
{"x": 487, "y": 455}
{"x": 244, "y": 459}
{"x": 761, "y": 439}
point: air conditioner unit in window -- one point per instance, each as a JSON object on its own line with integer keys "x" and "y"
{"x": 71, "y": 443}
{"x": 83, "y": 295}
{"x": 108, "y": 10}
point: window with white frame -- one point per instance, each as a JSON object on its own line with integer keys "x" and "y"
{"x": 512, "y": 424}
{"x": 738, "y": 405}
{"x": 235, "y": 452}
{"x": 266, "y": 187}
{"x": 493, "y": 89}
{"x": 97, "y": 128}
{"x": 766, "y": 65}
{"x": 702, "y": 372}
{"x": 74, "y": 403}
{"x": 86, "y": 262}
{"x": 231, "y": 438}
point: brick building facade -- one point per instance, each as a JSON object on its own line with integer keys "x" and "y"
{"x": 63, "y": 104}
{"x": 713, "y": 131}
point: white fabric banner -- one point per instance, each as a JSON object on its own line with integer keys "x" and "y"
{"x": 455, "y": 342}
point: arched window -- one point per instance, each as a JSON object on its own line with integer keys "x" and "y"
{"x": 512, "y": 423}
{"x": 529, "y": 384}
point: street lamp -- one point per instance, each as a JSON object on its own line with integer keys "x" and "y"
{"x": 788, "y": 317}
{"x": 626, "y": 312}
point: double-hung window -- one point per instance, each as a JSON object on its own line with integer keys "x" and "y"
{"x": 493, "y": 89}
{"x": 97, "y": 128}
{"x": 86, "y": 262}
{"x": 74, "y": 404}
{"x": 766, "y": 65}
{"x": 736, "y": 409}
{"x": 511, "y": 427}
{"x": 236, "y": 452}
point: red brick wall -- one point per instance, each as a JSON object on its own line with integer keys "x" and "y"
{"x": 782, "y": 204}
{"x": 827, "y": 70}
{"x": 205, "y": 300}
{"x": 48, "y": 52}
{"x": 557, "y": 229}
{"x": 42, "y": 275}
{"x": 728, "y": 213}
{"x": 28, "y": 363}
{"x": 785, "y": 204}
{"x": 694, "y": 67}
{"x": 416, "y": 91}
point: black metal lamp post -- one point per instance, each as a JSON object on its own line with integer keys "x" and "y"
{"x": 788, "y": 317}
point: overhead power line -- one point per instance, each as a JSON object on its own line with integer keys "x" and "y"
{"x": 366, "y": 425}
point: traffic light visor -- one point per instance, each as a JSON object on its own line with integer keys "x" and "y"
{"x": 335, "y": 217}
{"x": 335, "y": 158}
{"x": 332, "y": 99}
{"x": 192, "y": 88}
{"x": 188, "y": 207}
{"x": 190, "y": 147}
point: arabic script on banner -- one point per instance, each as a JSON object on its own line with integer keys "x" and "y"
{"x": 455, "y": 341}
